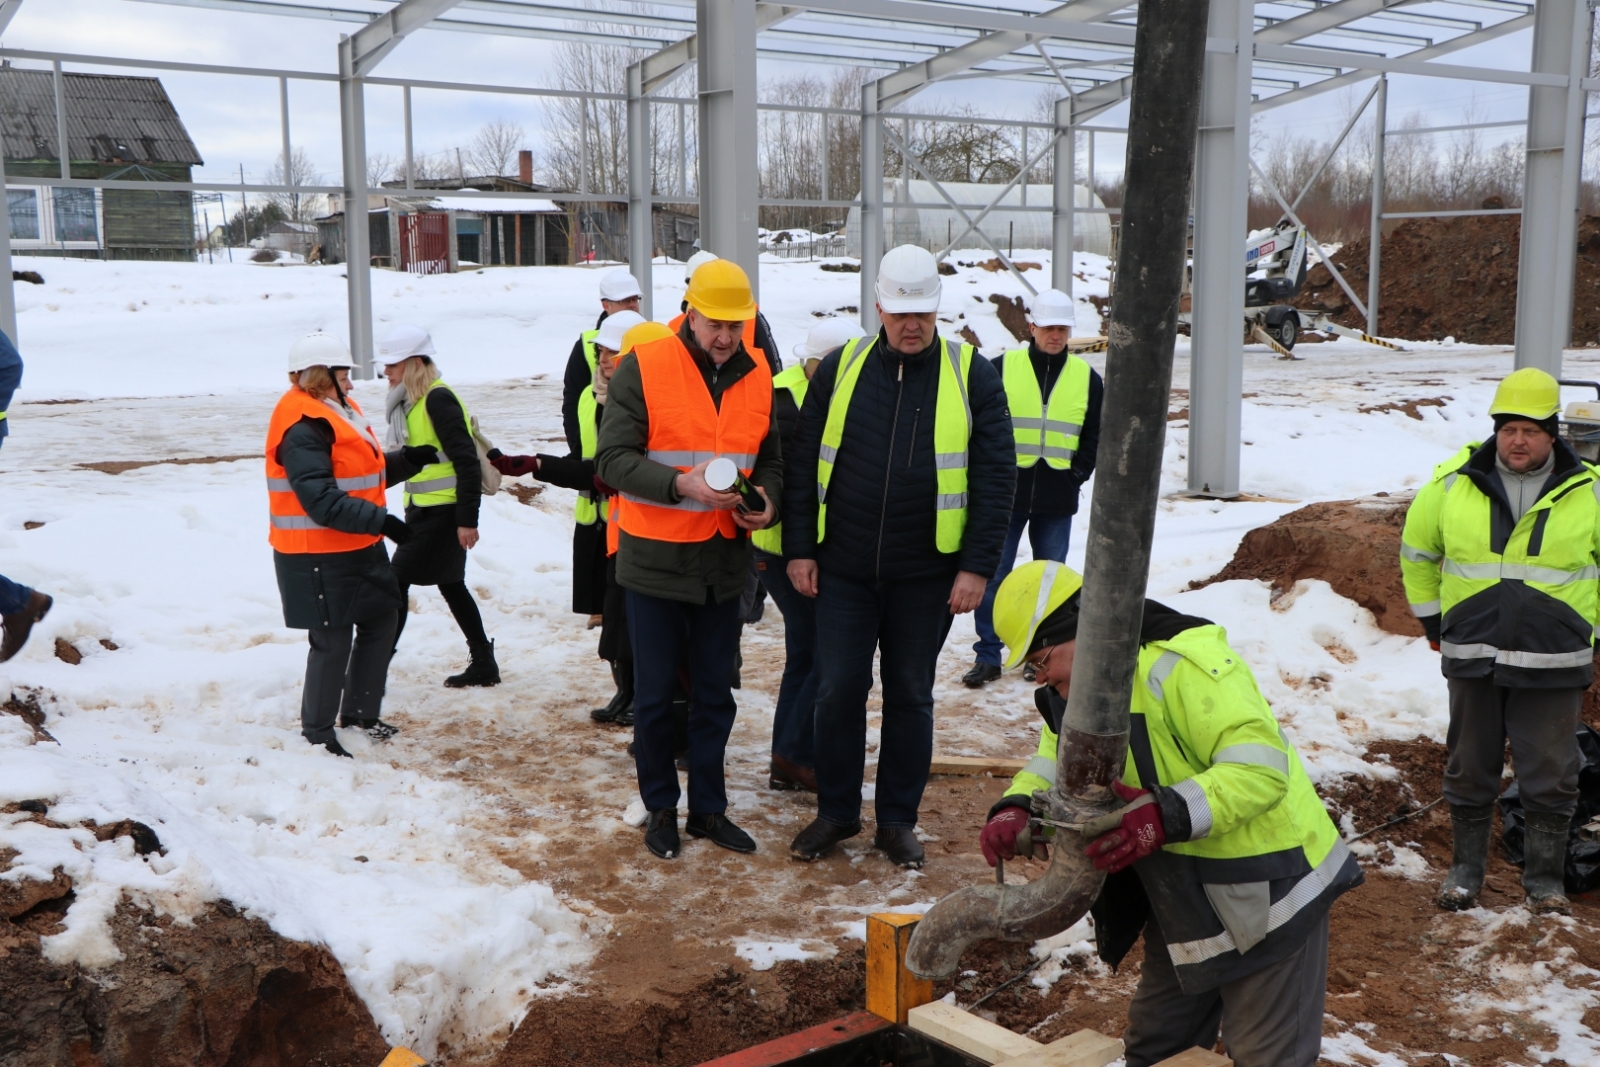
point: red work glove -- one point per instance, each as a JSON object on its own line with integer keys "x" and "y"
{"x": 602, "y": 488}
{"x": 999, "y": 837}
{"x": 513, "y": 466}
{"x": 1139, "y": 831}
{"x": 1434, "y": 645}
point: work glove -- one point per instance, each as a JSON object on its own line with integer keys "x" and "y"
{"x": 395, "y": 530}
{"x": 420, "y": 455}
{"x": 1434, "y": 645}
{"x": 1136, "y": 831}
{"x": 999, "y": 837}
{"x": 512, "y": 466}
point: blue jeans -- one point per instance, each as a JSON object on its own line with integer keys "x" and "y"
{"x": 666, "y": 633}
{"x": 794, "y": 720}
{"x": 906, "y": 622}
{"x": 1048, "y": 535}
{"x": 13, "y": 597}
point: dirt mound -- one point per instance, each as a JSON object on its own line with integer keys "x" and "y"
{"x": 224, "y": 991}
{"x": 1452, "y": 278}
{"x": 1353, "y": 545}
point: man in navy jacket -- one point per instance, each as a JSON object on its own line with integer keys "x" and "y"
{"x": 20, "y": 607}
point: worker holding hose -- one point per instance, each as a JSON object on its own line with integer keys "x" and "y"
{"x": 1222, "y": 855}
{"x": 1499, "y": 555}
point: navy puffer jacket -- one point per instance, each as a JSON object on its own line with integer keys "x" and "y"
{"x": 881, "y": 513}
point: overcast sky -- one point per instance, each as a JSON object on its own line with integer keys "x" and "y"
{"x": 234, "y": 121}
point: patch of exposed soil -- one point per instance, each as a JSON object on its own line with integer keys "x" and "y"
{"x": 994, "y": 266}
{"x": 525, "y": 494}
{"x": 26, "y": 707}
{"x": 1409, "y": 408}
{"x": 1353, "y": 545}
{"x": 122, "y": 466}
{"x": 1013, "y": 315}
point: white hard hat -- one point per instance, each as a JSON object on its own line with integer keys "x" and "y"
{"x": 619, "y": 284}
{"x": 908, "y": 281}
{"x": 318, "y": 350}
{"x": 827, "y": 335}
{"x": 402, "y": 342}
{"x": 696, "y": 261}
{"x": 615, "y": 327}
{"x": 1052, "y": 308}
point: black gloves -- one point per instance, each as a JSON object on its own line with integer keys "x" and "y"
{"x": 420, "y": 455}
{"x": 395, "y": 530}
{"x": 493, "y": 454}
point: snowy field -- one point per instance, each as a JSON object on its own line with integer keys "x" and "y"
{"x": 413, "y": 863}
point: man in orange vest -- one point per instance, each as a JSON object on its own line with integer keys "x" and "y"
{"x": 679, "y": 405}
{"x": 757, "y": 335}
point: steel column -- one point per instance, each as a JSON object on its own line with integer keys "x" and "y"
{"x": 1548, "y": 258}
{"x": 357, "y": 243}
{"x": 729, "y": 192}
{"x": 1380, "y": 123}
{"x": 641, "y": 236}
{"x": 283, "y": 117}
{"x": 1065, "y": 196}
{"x": 1222, "y": 186}
{"x": 871, "y": 205}
{"x": 8, "y": 297}
{"x": 405, "y": 99}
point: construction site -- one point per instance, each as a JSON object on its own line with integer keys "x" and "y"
{"x": 185, "y": 880}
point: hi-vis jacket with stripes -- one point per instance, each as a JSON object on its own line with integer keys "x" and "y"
{"x": 1511, "y": 599}
{"x": 1252, "y": 859}
{"x": 358, "y": 469}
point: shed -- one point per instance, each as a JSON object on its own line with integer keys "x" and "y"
{"x": 506, "y": 230}
{"x": 118, "y": 127}
{"x": 285, "y": 236}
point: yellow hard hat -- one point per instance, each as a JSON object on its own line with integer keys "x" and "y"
{"x": 1026, "y": 598}
{"x": 720, "y": 290}
{"x": 643, "y": 334}
{"x": 1529, "y": 392}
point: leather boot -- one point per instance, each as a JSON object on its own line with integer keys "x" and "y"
{"x": 1469, "y": 831}
{"x": 19, "y": 624}
{"x": 620, "y": 710}
{"x": 1544, "y": 852}
{"x": 483, "y": 670}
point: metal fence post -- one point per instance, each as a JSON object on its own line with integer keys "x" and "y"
{"x": 1380, "y": 123}
{"x": 641, "y": 234}
{"x": 357, "y": 241}
{"x": 1065, "y": 196}
{"x": 871, "y": 205}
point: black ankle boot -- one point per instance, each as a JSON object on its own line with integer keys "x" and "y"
{"x": 620, "y": 709}
{"x": 482, "y": 671}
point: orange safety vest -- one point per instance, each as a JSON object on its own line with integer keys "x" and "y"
{"x": 613, "y": 523}
{"x": 358, "y": 467}
{"x": 686, "y": 429}
{"x": 749, "y": 335}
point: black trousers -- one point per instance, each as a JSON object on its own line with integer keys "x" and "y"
{"x": 345, "y": 674}
{"x": 1542, "y": 726}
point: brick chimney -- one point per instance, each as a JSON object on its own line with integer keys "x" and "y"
{"x": 525, "y": 166}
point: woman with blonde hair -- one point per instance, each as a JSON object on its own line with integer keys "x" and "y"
{"x": 442, "y": 498}
{"x": 326, "y": 475}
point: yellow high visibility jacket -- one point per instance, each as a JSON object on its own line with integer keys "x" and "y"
{"x": 1047, "y": 431}
{"x": 1516, "y": 601}
{"x": 435, "y": 483}
{"x": 586, "y": 511}
{"x": 794, "y": 379}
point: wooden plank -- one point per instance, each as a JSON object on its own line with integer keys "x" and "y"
{"x": 892, "y": 990}
{"x": 1196, "y": 1057}
{"x": 977, "y": 1037}
{"x": 999, "y": 766}
{"x": 1086, "y": 1048}
{"x": 803, "y": 1042}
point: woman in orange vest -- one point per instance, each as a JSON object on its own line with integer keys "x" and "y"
{"x": 326, "y": 475}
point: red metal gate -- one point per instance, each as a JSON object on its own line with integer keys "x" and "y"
{"x": 425, "y": 243}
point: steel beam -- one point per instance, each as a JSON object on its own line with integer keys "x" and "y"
{"x": 641, "y": 232}
{"x": 1548, "y": 259}
{"x": 1380, "y": 124}
{"x": 1064, "y": 198}
{"x": 383, "y": 34}
{"x": 726, "y": 67}
{"x": 358, "y": 252}
{"x": 666, "y": 64}
{"x": 1222, "y": 189}
{"x": 871, "y": 205}
{"x": 8, "y": 11}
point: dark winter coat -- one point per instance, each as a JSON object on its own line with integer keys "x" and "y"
{"x": 881, "y": 501}
{"x": 1041, "y": 488}
{"x": 323, "y": 590}
{"x": 10, "y": 379}
{"x": 588, "y": 541}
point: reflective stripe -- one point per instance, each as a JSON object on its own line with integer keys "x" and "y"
{"x": 1524, "y": 572}
{"x": 1069, "y": 429}
{"x": 1041, "y": 604}
{"x": 822, "y": 493}
{"x": 1199, "y": 807}
{"x": 1043, "y": 768}
{"x": 1306, "y": 892}
{"x": 683, "y": 505}
{"x": 742, "y": 460}
{"x": 1417, "y": 555}
{"x": 1255, "y": 754}
{"x": 1449, "y": 480}
{"x": 295, "y": 522}
{"x": 1596, "y": 483}
{"x": 1533, "y": 660}
{"x": 1027, "y": 424}
{"x": 369, "y": 481}
{"x": 279, "y": 485}
{"x": 951, "y": 502}
{"x": 953, "y": 355}
{"x": 1159, "y": 670}
{"x": 1455, "y": 651}
{"x": 828, "y": 453}
{"x": 946, "y": 461}
{"x": 1427, "y": 610}
{"x": 433, "y": 485}
{"x": 1057, "y": 452}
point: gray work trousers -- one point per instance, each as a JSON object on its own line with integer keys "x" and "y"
{"x": 1272, "y": 1018}
{"x": 1542, "y": 725}
{"x": 345, "y": 672}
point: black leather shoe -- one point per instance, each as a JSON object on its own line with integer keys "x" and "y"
{"x": 332, "y": 745}
{"x": 980, "y": 675}
{"x": 661, "y": 833}
{"x": 719, "y": 831}
{"x": 818, "y": 839}
{"x": 900, "y": 844}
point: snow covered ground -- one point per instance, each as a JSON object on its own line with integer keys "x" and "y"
{"x": 420, "y": 868}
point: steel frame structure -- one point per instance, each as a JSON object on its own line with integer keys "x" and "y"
{"x": 1261, "y": 55}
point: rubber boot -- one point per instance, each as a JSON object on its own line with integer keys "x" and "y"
{"x": 1544, "y": 869}
{"x": 483, "y": 670}
{"x": 620, "y": 710}
{"x": 1469, "y": 831}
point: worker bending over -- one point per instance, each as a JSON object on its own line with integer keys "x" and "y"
{"x": 683, "y": 550}
{"x": 1054, "y": 399}
{"x": 1499, "y": 555}
{"x": 1223, "y": 856}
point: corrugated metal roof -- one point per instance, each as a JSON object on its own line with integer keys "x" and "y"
{"x": 110, "y": 118}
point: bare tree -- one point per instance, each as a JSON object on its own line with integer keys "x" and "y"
{"x": 381, "y": 166}
{"x": 296, "y": 207}
{"x": 494, "y": 147}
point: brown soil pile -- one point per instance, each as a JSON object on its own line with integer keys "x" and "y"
{"x": 1353, "y": 545}
{"x": 1452, "y": 278}
{"x": 223, "y": 991}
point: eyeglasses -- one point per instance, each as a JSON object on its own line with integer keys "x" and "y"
{"x": 1038, "y": 659}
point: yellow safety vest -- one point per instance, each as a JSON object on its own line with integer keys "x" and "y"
{"x": 586, "y": 511}
{"x": 794, "y": 379}
{"x": 1045, "y": 431}
{"x": 952, "y": 430}
{"x": 435, "y": 483}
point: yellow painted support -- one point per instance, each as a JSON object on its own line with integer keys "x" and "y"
{"x": 892, "y": 990}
